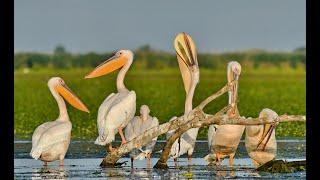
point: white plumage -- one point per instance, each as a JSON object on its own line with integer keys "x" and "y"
{"x": 254, "y": 135}
{"x": 137, "y": 127}
{"x": 225, "y": 139}
{"x": 118, "y": 108}
{"x": 115, "y": 111}
{"x": 50, "y": 140}
{"x": 188, "y": 65}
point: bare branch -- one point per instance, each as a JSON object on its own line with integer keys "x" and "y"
{"x": 196, "y": 118}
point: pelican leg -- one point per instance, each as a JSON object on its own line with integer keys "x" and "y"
{"x": 231, "y": 159}
{"x": 218, "y": 159}
{"x": 111, "y": 148}
{"x": 189, "y": 159}
{"x": 45, "y": 163}
{"x": 131, "y": 162}
{"x": 255, "y": 163}
{"x": 61, "y": 163}
{"x": 175, "y": 160}
{"x": 123, "y": 139}
{"x": 61, "y": 159}
{"x": 149, "y": 160}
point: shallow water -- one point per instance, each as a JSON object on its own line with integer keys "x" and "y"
{"x": 83, "y": 159}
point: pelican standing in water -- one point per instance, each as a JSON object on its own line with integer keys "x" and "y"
{"x": 226, "y": 138}
{"x": 50, "y": 140}
{"x": 137, "y": 126}
{"x": 118, "y": 108}
{"x": 188, "y": 64}
{"x": 260, "y": 140}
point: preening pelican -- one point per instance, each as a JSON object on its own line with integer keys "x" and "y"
{"x": 50, "y": 140}
{"x": 137, "y": 126}
{"x": 226, "y": 139}
{"x": 188, "y": 64}
{"x": 262, "y": 149}
{"x": 118, "y": 108}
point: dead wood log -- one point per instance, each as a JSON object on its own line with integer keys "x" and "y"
{"x": 196, "y": 118}
{"x": 281, "y": 166}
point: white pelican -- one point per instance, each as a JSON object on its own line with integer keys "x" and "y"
{"x": 211, "y": 157}
{"x": 226, "y": 138}
{"x": 118, "y": 108}
{"x": 137, "y": 126}
{"x": 262, "y": 149}
{"x": 188, "y": 64}
{"x": 50, "y": 140}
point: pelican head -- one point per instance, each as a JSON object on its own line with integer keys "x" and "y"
{"x": 58, "y": 85}
{"x": 234, "y": 71}
{"x": 268, "y": 113}
{"x": 116, "y": 61}
{"x": 144, "y": 111}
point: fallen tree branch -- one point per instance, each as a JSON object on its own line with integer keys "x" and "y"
{"x": 215, "y": 95}
{"x": 162, "y": 162}
{"x": 218, "y": 119}
{"x": 144, "y": 138}
{"x": 196, "y": 118}
{"x": 222, "y": 120}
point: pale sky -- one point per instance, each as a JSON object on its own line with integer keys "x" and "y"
{"x": 216, "y": 26}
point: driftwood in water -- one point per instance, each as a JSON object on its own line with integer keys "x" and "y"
{"x": 143, "y": 139}
{"x": 196, "y": 118}
{"x": 280, "y": 166}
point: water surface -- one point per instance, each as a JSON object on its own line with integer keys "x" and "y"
{"x": 83, "y": 159}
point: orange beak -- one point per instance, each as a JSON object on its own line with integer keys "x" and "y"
{"x": 68, "y": 95}
{"x": 110, "y": 65}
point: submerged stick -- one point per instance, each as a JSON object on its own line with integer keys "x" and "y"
{"x": 281, "y": 166}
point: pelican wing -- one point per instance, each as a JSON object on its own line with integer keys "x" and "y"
{"x": 211, "y": 134}
{"x": 130, "y": 131}
{"x": 187, "y": 57}
{"x": 102, "y": 112}
{"x": 40, "y": 130}
{"x": 53, "y": 135}
{"x": 150, "y": 146}
{"x": 114, "y": 113}
{"x": 123, "y": 109}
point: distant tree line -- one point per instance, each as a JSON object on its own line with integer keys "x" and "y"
{"x": 146, "y": 57}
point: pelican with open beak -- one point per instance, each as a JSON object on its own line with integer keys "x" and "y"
{"x": 187, "y": 59}
{"x": 226, "y": 138}
{"x": 260, "y": 140}
{"x": 50, "y": 140}
{"x": 118, "y": 108}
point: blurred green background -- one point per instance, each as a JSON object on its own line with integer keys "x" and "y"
{"x": 273, "y": 80}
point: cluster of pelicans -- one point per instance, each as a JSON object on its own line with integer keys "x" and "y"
{"x": 50, "y": 141}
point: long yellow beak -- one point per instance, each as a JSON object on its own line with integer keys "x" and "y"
{"x": 68, "y": 95}
{"x": 111, "y": 64}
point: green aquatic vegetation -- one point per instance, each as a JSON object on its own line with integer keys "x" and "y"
{"x": 162, "y": 91}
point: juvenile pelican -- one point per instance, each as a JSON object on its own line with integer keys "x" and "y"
{"x": 188, "y": 64}
{"x": 118, "y": 108}
{"x": 211, "y": 157}
{"x": 50, "y": 140}
{"x": 262, "y": 149}
{"x": 137, "y": 126}
{"x": 226, "y": 139}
